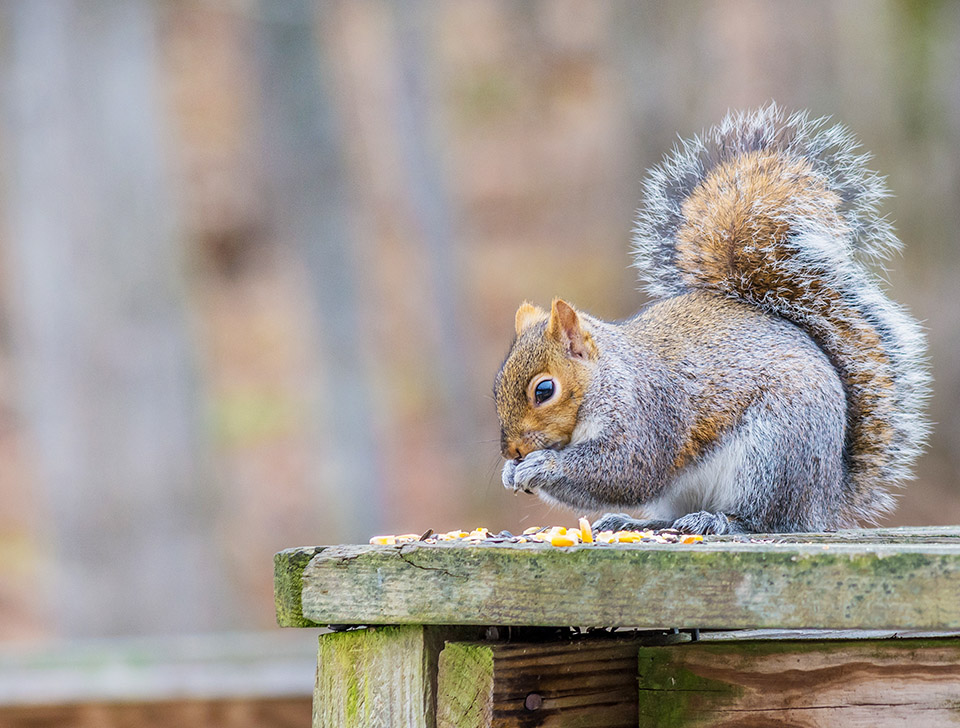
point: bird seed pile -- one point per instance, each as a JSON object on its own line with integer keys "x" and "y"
{"x": 553, "y": 535}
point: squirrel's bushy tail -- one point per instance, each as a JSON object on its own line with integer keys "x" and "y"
{"x": 780, "y": 211}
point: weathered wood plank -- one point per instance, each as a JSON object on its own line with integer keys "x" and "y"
{"x": 904, "y": 535}
{"x": 823, "y": 635}
{"x": 712, "y": 585}
{"x": 382, "y": 676}
{"x": 465, "y": 686}
{"x": 557, "y": 684}
{"x": 288, "y": 566}
{"x": 857, "y": 684}
{"x": 290, "y": 563}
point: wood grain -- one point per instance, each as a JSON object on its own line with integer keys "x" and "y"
{"x": 573, "y": 683}
{"x": 465, "y": 686}
{"x": 715, "y": 585}
{"x": 856, "y": 684}
{"x": 382, "y": 676}
{"x": 288, "y": 566}
{"x": 903, "y": 535}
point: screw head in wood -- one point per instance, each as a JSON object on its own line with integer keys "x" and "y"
{"x": 533, "y": 701}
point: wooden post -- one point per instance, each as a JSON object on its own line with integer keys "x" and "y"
{"x": 382, "y": 676}
{"x": 860, "y": 582}
{"x": 465, "y": 686}
{"x": 590, "y": 682}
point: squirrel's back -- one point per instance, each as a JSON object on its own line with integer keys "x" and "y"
{"x": 780, "y": 212}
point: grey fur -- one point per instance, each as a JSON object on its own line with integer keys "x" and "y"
{"x": 792, "y": 472}
{"x": 823, "y": 255}
{"x": 783, "y": 361}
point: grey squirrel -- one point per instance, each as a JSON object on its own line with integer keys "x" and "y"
{"x": 771, "y": 386}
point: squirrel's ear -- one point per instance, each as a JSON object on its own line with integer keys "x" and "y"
{"x": 527, "y": 314}
{"x": 565, "y": 328}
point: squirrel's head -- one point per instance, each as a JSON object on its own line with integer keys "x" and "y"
{"x": 541, "y": 384}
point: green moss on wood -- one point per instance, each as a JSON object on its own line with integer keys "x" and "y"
{"x": 288, "y": 566}
{"x": 372, "y": 676}
{"x": 380, "y": 676}
{"x": 336, "y": 658}
{"x": 706, "y": 683}
{"x": 671, "y": 695}
{"x": 465, "y": 686}
{"x": 719, "y": 585}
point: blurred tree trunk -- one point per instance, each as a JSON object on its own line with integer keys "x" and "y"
{"x": 311, "y": 210}
{"x": 105, "y": 375}
{"x": 429, "y": 203}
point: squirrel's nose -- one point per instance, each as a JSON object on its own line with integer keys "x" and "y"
{"x": 510, "y": 451}
{"x": 517, "y": 450}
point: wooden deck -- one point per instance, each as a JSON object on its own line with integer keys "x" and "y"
{"x": 228, "y": 680}
{"x": 851, "y": 628}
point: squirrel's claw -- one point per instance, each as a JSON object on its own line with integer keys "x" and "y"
{"x": 532, "y": 472}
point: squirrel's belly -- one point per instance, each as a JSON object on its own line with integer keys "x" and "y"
{"x": 713, "y": 483}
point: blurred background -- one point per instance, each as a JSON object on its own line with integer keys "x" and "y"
{"x": 259, "y": 263}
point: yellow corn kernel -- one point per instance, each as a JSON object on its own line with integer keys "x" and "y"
{"x": 561, "y": 539}
{"x": 627, "y": 536}
{"x": 586, "y": 532}
{"x": 383, "y": 540}
{"x": 691, "y": 539}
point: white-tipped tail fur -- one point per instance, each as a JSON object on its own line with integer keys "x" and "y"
{"x": 781, "y": 211}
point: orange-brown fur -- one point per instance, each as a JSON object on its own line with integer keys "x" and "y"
{"x": 745, "y": 200}
{"x": 544, "y": 348}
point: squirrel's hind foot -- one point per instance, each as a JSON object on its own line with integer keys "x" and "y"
{"x": 625, "y": 522}
{"x": 702, "y": 522}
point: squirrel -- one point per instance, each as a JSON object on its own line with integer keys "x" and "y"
{"x": 770, "y": 385}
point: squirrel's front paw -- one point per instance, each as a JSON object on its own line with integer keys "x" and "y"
{"x": 509, "y": 468}
{"x": 536, "y": 470}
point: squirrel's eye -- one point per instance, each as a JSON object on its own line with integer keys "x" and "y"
{"x": 543, "y": 391}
